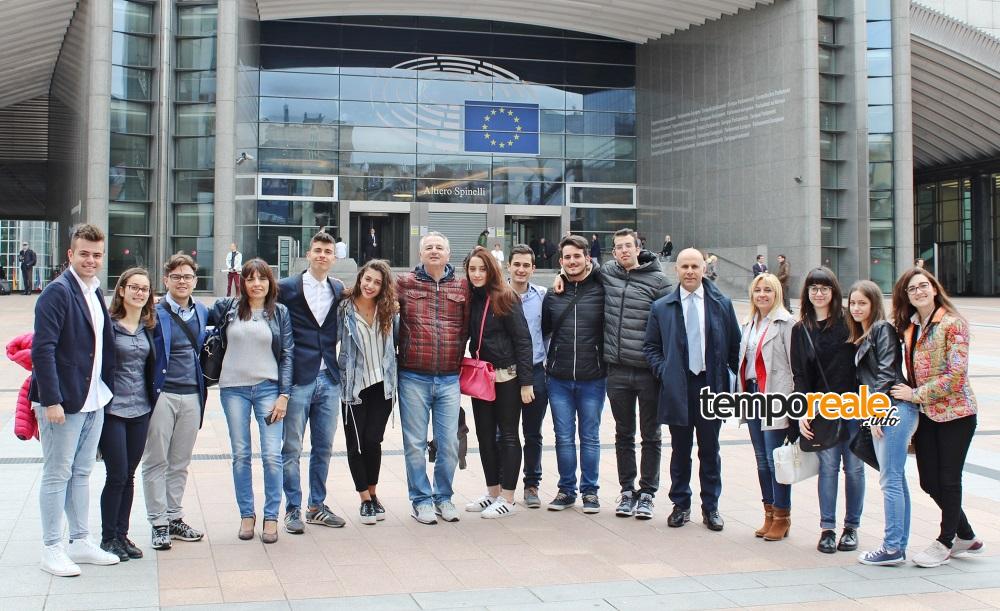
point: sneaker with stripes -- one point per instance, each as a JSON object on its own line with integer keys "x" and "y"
{"x": 479, "y": 504}
{"x": 499, "y": 509}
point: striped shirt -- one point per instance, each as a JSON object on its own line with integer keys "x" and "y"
{"x": 372, "y": 342}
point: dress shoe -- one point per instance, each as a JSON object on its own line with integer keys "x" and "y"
{"x": 712, "y": 520}
{"x": 827, "y": 542}
{"x": 848, "y": 540}
{"x": 678, "y": 517}
{"x": 269, "y": 534}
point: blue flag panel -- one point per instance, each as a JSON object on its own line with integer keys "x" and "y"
{"x": 501, "y": 127}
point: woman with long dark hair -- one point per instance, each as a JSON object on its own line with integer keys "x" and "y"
{"x": 367, "y": 327}
{"x": 936, "y": 349}
{"x": 496, "y": 314}
{"x": 255, "y": 382}
{"x": 823, "y": 361}
{"x": 126, "y": 418}
{"x": 880, "y": 367}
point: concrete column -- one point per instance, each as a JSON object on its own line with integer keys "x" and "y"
{"x": 902, "y": 126}
{"x": 225, "y": 134}
{"x": 161, "y": 223}
{"x": 97, "y": 130}
{"x": 982, "y": 236}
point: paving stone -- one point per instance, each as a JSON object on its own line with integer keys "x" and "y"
{"x": 387, "y": 602}
{"x": 586, "y": 591}
{"x": 690, "y": 600}
{"x": 276, "y": 605}
{"x": 675, "y": 585}
{"x": 473, "y": 598}
{"x": 729, "y": 581}
{"x": 885, "y": 587}
{"x": 781, "y": 595}
{"x": 101, "y": 600}
{"x": 22, "y": 603}
{"x": 569, "y": 605}
{"x": 794, "y": 577}
{"x": 967, "y": 581}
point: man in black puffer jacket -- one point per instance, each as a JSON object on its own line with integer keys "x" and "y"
{"x": 632, "y": 282}
{"x": 574, "y": 323}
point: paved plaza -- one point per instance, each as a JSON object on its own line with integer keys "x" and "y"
{"x": 536, "y": 559}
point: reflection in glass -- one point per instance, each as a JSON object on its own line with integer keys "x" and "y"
{"x": 829, "y": 203}
{"x": 527, "y": 168}
{"x": 827, "y": 116}
{"x": 382, "y": 139}
{"x": 878, "y": 10}
{"x": 600, "y": 147}
{"x": 311, "y": 214}
{"x": 381, "y": 89}
{"x": 128, "y": 219}
{"x": 592, "y": 170}
{"x": 880, "y": 119}
{"x": 879, "y": 62}
{"x": 193, "y": 219}
{"x": 129, "y": 50}
{"x": 881, "y": 232}
{"x": 128, "y": 184}
{"x": 202, "y": 250}
{"x": 194, "y": 186}
{"x": 880, "y": 147}
{"x": 296, "y": 110}
{"x": 194, "y": 153}
{"x": 880, "y": 35}
{"x": 881, "y": 268}
{"x": 456, "y": 191}
{"x": 196, "y": 54}
{"x": 585, "y": 221}
{"x": 294, "y": 187}
{"x": 452, "y": 92}
{"x": 196, "y": 86}
{"x": 132, "y": 17}
{"x": 130, "y": 83}
{"x": 298, "y": 136}
{"x": 298, "y": 161}
{"x": 129, "y": 151}
{"x": 125, "y": 252}
{"x": 880, "y": 90}
{"x": 129, "y": 117}
{"x": 378, "y": 114}
{"x": 359, "y": 163}
{"x": 880, "y": 204}
{"x": 195, "y": 120}
{"x": 299, "y": 84}
{"x": 601, "y": 195}
{"x": 827, "y": 145}
{"x": 376, "y": 188}
{"x": 528, "y": 192}
{"x": 197, "y": 20}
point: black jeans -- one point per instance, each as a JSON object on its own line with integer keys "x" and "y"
{"x": 26, "y": 280}
{"x": 709, "y": 461}
{"x": 503, "y": 414}
{"x": 364, "y": 428}
{"x": 532, "y": 416}
{"x": 941, "y": 449}
{"x": 123, "y": 441}
{"x": 626, "y": 386}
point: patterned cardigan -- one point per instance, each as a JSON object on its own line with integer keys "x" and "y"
{"x": 939, "y": 366}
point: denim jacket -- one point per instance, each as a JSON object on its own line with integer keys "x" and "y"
{"x": 350, "y": 359}
{"x": 282, "y": 340}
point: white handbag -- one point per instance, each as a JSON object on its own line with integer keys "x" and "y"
{"x": 792, "y": 465}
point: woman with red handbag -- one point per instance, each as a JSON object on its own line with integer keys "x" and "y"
{"x": 498, "y": 336}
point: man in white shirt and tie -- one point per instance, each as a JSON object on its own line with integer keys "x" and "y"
{"x": 692, "y": 341}
{"x": 234, "y": 263}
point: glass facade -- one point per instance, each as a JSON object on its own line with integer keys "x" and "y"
{"x": 943, "y": 231}
{"x": 40, "y": 236}
{"x": 830, "y": 108}
{"x": 880, "y": 144}
{"x": 131, "y": 123}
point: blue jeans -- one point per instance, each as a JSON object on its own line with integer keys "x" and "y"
{"x": 569, "y": 400}
{"x": 764, "y": 443}
{"x": 237, "y": 403}
{"x": 422, "y": 396}
{"x": 854, "y": 481}
{"x": 317, "y": 403}
{"x": 532, "y": 416}
{"x": 68, "y": 452}
{"x": 891, "y": 453}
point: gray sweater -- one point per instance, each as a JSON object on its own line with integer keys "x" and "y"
{"x": 248, "y": 360}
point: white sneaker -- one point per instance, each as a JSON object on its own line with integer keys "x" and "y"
{"x": 499, "y": 509}
{"x": 84, "y": 551}
{"x": 424, "y": 513}
{"x": 56, "y": 562}
{"x": 446, "y": 510}
{"x": 963, "y": 547}
{"x": 480, "y": 504}
{"x": 935, "y": 555}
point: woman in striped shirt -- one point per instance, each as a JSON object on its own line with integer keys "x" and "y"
{"x": 367, "y": 323}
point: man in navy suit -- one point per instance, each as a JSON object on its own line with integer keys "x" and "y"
{"x": 311, "y": 299}
{"x": 180, "y": 403}
{"x": 692, "y": 341}
{"x": 73, "y": 352}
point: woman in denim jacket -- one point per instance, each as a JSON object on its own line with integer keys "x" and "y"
{"x": 367, "y": 326}
{"x": 256, "y": 378}
{"x": 936, "y": 349}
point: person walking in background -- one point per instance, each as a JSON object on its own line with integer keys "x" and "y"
{"x": 234, "y": 263}
{"x": 823, "y": 361}
{"x": 759, "y": 267}
{"x": 73, "y": 353}
{"x": 544, "y": 253}
{"x": 497, "y": 253}
{"x": 367, "y": 323}
{"x": 668, "y": 248}
{"x": 180, "y": 403}
{"x": 766, "y": 367}
{"x": 784, "y": 275}
{"x": 711, "y": 267}
{"x": 692, "y": 341}
{"x": 595, "y": 249}
{"x": 27, "y": 259}
{"x": 522, "y": 267}
{"x": 126, "y": 418}
{"x": 880, "y": 367}
{"x": 311, "y": 298}
{"x": 936, "y": 344}
{"x": 371, "y": 246}
{"x": 340, "y": 249}
{"x": 484, "y": 238}
{"x": 255, "y": 384}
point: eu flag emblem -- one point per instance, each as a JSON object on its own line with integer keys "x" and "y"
{"x": 501, "y": 127}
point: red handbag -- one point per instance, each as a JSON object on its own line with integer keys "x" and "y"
{"x": 478, "y": 378}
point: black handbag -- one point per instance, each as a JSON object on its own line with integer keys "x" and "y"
{"x": 826, "y": 433}
{"x": 213, "y": 351}
{"x": 863, "y": 446}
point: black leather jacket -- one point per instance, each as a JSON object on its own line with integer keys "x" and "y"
{"x": 506, "y": 339}
{"x": 880, "y": 364}
{"x": 282, "y": 340}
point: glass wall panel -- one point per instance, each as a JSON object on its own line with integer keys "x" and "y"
{"x": 599, "y": 195}
{"x": 881, "y": 233}
{"x": 826, "y": 60}
{"x": 878, "y": 10}
{"x": 880, "y": 147}
{"x": 879, "y": 35}
{"x": 600, "y": 147}
{"x": 381, "y": 139}
{"x": 358, "y": 163}
{"x": 880, "y": 62}
{"x": 381, "y": 89}
{"x": 132, "y": 17}
{"x": 879, "y": 175}
{"x": 129, "y": 117}
{"x": 201, "y": 249}
{"x": 454, "y": 191}
{"x": 311, "y": 214}
{"x": 194, "y": 186}
{"x": 376, "y": 188}
{"x": 196, "y": 54}
{"x": 195, "y": 120}
{"x": 196, "y": 86}
{"x": 299, "y": 84}
{"x": 880, "y": 90}
{"x": 128, "y": 184}
{"x": 880, "y": 119}
{"x": 591, "y": 170}
{"x": 194, "y": 153}
{"x": 827, "y": 145}
{"x": 129, "y": 151}
{"x": 130, "y": 219}
{"x": 828, "y": 116}
{"x": 827, "y": 88}
{"x": 585, "y": 221}
{"x": 297, "y": 110}
{"x": 827, "y": 31}
{"x": 829, "y": 203}
{"x": 125, "y": 252}
{"x": 880, "y": 204}
{"x": 197, "y": 20}
{"x": 454, "y": 92}
{"x": 293, "y": 187}
{"x": 528, "y": 168}
{"x": 528, "y": 192}
{"x": 881, "y": 269}
{"x": 290, "y": 135}
{"x": 378, "y": 114}
{"x": 131, "y": 84}
{"x": 129, "y": 50}
{"x": 297, "y": 161}
{"x": 193, "y": 219}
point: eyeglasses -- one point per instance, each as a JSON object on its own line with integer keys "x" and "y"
{"x": 923, "y": 287}
{"x": 624, "y": 247}
{"x": 138, "y": 290}
{"x": 818, "y": 289}
{"x": 182, "y": 277}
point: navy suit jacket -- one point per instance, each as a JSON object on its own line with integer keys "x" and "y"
{"x": 162, "y": 336}
{"x": 62, "y": 350}
{"x": 666, "y": 349}
{"x": 312, "y": 341}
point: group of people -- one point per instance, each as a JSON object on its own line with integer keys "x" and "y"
{"x": 128, "y": 379}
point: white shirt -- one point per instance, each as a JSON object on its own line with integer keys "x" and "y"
{"x": 699, "y": 301}
{"x": 340, "y": 249}
{"x": 98, "y": 395}
{"x": 237, "y": 260}
{"x": 319, "y": 296}
{"x": 498, "y": 255}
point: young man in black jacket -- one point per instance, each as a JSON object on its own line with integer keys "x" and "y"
{"x": 574, "y": 322}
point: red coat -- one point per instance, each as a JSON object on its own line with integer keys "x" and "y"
{"x": 25, "y": 423}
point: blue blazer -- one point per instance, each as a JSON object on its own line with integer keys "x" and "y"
{"x": 161, "y": 336}
{"x": 666, "y": 349}
{"x": 312, "y": 341}
{"x": 62, "y": 350}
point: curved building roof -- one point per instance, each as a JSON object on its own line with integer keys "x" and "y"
{"x": 31, "y": 34}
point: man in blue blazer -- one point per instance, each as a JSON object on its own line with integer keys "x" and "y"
{"x": 73, "y": 352}
{"x": 180, "y": 403}
{"x": 692, "y": 341}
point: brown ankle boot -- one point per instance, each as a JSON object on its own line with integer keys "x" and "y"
{"x": 768, "y": 519}
{"x": 781, "y": 525}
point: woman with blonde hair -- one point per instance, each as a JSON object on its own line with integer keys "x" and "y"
{"x": 765, "y": 366}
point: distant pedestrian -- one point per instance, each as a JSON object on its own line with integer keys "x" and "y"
{"x": 27, "y": 259}
{"x": 497, "y": 253}
{"x": 711, "y": 267}
{"x": 760, "y": 266}
{"x": 234, "y": 263}
{"x": 784, "y": 274}
{"x": 918, "y": 263}
{"x": 595, "y": 249}
{"x": 340, "y": 248}
{"x": 668, "y": 248}
{"x": 484, "y": 237}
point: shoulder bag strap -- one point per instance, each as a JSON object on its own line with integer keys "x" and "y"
{"x": 187, "y": 331}
{"x": 819, "y": 365}
{"x": 561, "y": 319}
{"x": 482, "y": 325}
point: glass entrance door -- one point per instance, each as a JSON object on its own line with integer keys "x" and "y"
{"x": 529, "y": 229}
{"x": 951, "y": 267}
{"x": 391, "y": 237}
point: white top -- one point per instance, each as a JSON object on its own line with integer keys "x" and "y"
{"x": 498, "y": 255}
{"x": 234, "y": 261}
{"x": 98, "y": 395}
{"x": 753, "y": 338}
{"x": 319, "y": 296}
{"x": 372, "y": 342}
{"x": 699, "y": 301}
{"x": 340, "y": 249}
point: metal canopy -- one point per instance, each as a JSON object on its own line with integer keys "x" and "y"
{"x": 956, "y": 90}
{"x": 31, "y": 34}
{"x": 632, "y": 20}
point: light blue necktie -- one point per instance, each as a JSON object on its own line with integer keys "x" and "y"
{"x": 696, "y": 361}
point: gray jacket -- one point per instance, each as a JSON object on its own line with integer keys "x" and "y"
{"x": 628, "y": 296}
{"x": 775, "y": 357}
{"x": 352, "y": 364}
